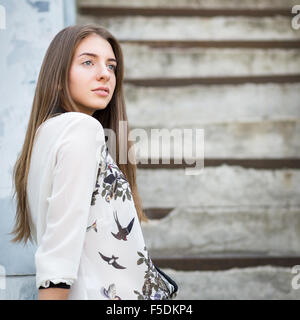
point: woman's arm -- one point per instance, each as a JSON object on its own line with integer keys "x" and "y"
{"x": 53, "y": 294}
{"x": 74, "y": 176}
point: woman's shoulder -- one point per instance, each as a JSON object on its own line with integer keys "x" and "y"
{"x": 68, "y": 127}
{"x": 71, "y": 122}
{"x": 72, "y": 116}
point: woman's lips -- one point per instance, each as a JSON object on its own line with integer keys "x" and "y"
{"x": 101, "y": 93}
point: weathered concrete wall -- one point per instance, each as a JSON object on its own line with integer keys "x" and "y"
{"x": 144, "y": 61}
{"x": 259, "y": 283}
{"x": 196, "y": 28}
{"x": 211, "y": 230}
{"x": 30, "y": 26}
{"x": 215, "y": 104}
{"x": 220, "y": 186}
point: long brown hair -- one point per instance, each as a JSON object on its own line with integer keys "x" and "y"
{"x": 52, "y": 97}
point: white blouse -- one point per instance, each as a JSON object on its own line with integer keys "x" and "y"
{"x": 84, "y": 221}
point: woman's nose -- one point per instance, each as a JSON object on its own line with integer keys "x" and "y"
{"x": 103, "y": 73}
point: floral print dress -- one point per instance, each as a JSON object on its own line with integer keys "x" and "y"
{"x": 113, "y": 260}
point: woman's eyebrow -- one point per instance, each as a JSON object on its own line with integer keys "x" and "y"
{"x": 95, "y": 55}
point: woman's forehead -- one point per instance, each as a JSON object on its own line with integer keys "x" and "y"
{"x": 94, "y": 44}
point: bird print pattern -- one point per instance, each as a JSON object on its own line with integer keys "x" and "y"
{"x": 93, "y": 226}
{"x": 121, "y": 230}
{"x": 111, "y": 292}
{"x": 114, "y": 183}
{"x": 112, "y": 261}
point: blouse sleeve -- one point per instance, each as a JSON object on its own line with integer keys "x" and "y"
{"x": 78, "y": 154}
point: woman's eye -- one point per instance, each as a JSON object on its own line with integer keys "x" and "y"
{"x": 87, "y": 61}
{"x": 113, "y": 67}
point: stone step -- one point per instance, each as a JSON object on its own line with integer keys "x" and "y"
{"x": 251, "y": 4}
{"x": 211, "y": 104}
{"x": 219, "y": 186}
{"x": 223, "y": 261}
{"x": 264, "y": 139}
{"x": 239, "y": 232}
{"x": 256, "y": 283}
{"x": 142, "y": 62}
{"x": 196, "y": 28}
{"x": 251, "y": 163}
{"x": 231, "y": 44}
{"x": 105, "y": 11}
{"x": 228, "y": 80}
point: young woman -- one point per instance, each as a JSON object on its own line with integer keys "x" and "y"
{"x": 79, "y": 204}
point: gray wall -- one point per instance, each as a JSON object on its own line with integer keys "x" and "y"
{"x": 29, "y": 27}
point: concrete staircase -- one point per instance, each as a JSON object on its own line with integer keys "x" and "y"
{"x": 231, "y": 68}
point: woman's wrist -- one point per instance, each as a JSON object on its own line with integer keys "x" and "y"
{"x": 53, "y": 294}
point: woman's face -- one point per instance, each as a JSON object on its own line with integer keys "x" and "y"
{"x": 93, "y": 66}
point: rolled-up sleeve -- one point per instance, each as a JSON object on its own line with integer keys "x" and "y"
{"x": 77, "y": 159}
